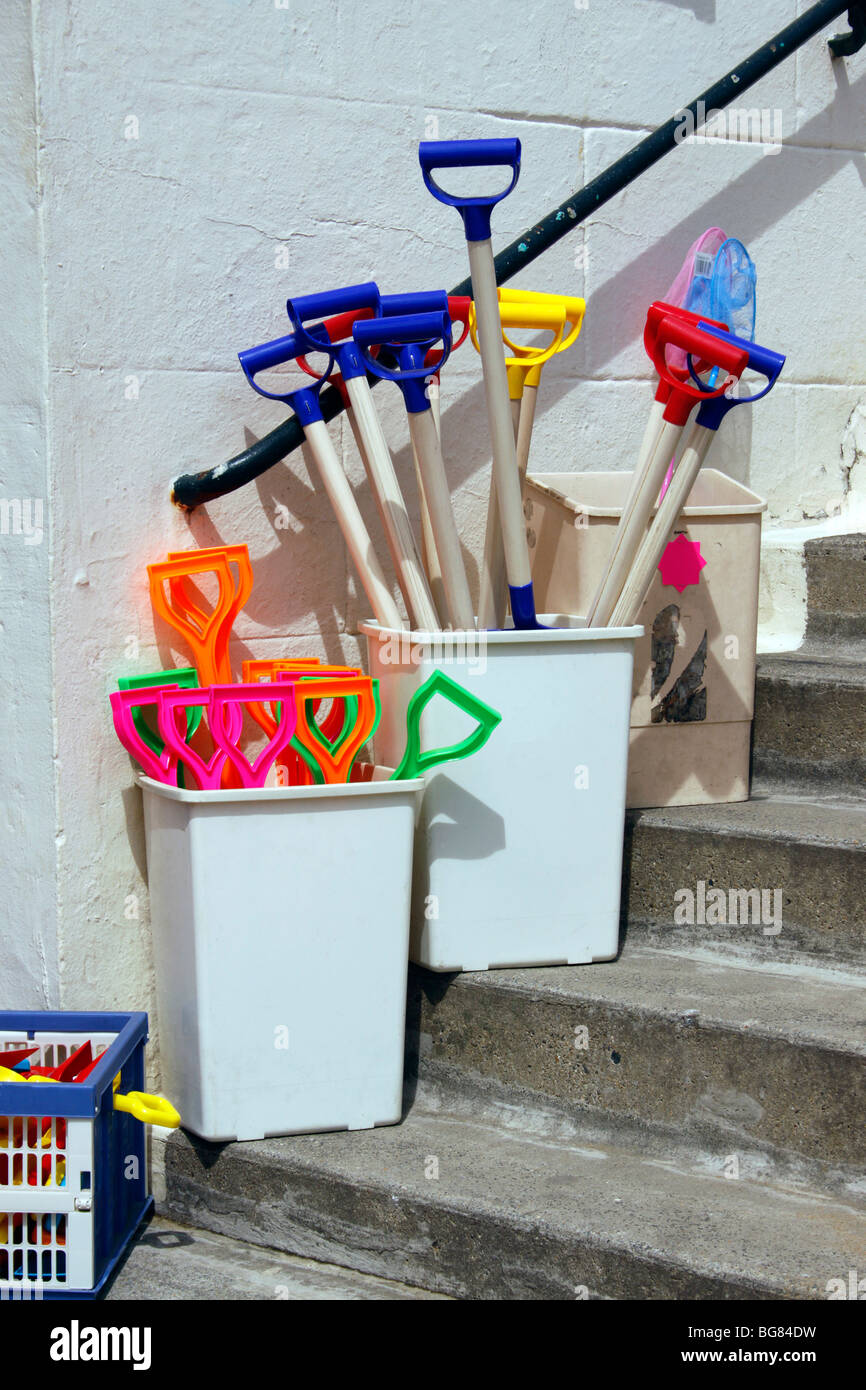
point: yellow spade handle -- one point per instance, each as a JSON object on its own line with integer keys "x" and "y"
{"x": 532, "y": 309}
{"x": 150, "y": 1110}
{"x": 538, "y": 312}
{"x": 575, "y": 308}
{"x": 525, "y": 314}
{"x": 574, "y": 311}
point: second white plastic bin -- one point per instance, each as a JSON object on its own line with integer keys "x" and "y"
{"x": 518, "y": 855}
{"x": 281, "y": 927}
{"x": 694, "y": 678}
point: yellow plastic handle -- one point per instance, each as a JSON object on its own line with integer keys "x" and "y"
{"x": 150, "y": 1110}
{"x": 573, "y": 309}
{"x": 532, "y": 309}
{"x": 539, "y": 312}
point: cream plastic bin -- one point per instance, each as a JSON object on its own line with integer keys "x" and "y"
{"x": 693, "y": 699}
{"x": 281, "y": 929}
{"x": 518, "y": 854}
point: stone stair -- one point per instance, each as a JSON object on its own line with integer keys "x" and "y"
{"x": 685, "y": 1122}
{"x": 810, "y": 732}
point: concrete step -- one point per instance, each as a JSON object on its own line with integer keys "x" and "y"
{"x": 810, "y": 719}
{"x": 485, "y": 1201}
{"x": 836, "y": 587}
{"x": 767, "y": 1064}
{"x": 811, "y": 850}
{"x": 168, "y": 1262}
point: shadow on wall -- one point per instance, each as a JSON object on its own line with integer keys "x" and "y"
{"x": 752, "y": 204}
{"x": 703, "y": 10}
{"x": 273, "y": 571}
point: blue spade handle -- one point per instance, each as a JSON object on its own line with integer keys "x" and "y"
{"x": 463, "y": 154}
{"x": 410, "y": 336}
{"x": 329, "y": 304}
{"x": 305, "y": 399}
{"x": 762, "y": 360}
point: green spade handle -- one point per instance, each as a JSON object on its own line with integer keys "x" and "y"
{"x": 414, "y": 762}
{"x": 184, "y": 676}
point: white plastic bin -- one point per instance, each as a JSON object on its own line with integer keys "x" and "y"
{"x": 685, "y": 750}
{"x": 518, "y": 854}
{"x": 281, "y": 926}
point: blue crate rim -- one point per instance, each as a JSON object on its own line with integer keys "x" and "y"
{"x": 72, "y": 1099}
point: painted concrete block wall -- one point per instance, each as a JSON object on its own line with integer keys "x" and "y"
{"x": 29, "y": 828}
{"x": 200, "y": 162}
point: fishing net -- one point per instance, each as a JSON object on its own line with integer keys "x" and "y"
{"x": 691, "y": 288}
{"x": 717, "y": 280}
{"x": 732, "y": 289}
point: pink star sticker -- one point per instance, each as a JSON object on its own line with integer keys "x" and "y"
{"x": 682, "y": 563}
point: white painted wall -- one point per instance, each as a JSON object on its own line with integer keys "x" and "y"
{"x": 29, "y": 960}
{"x": 186, "y": 152}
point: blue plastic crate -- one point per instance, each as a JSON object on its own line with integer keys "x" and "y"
{"x": 73, "y": 1171}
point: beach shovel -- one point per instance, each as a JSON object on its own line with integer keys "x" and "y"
{"x": 337, "y": 329}
{"x": 305, "y": 403}
{"x": 414, "y": 762}
{"x": 663, "y": 329}
{"x": 516, "y": 310}
{"x": 277, "y": 669}
{"x": 374, "y": 447}
{"x": 185, "y": 676}
{"x": 475, "y": 212}
{"x": 126, "y": 707}
{"x": 333, "y": 760}
{"x": 521, "y": 309}
{"x": 410, "y": 337}
{"x": 206, "y": 632}
{"x": 459, "y": 306}
{"x": 224, "y": 705}
{"x": 761, "y": 360}
{"x": 613, "y": 575}
{"x": 238, "y": 558}
{"x": 148, "y": 1109}
{"x": 296, "y": 767}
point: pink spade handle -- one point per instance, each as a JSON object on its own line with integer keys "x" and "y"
{"x": 225, "y": 700}
{"x": 206, "y": 773}
{"x": 162, "y": 767}
{"x": 225, "y": 719}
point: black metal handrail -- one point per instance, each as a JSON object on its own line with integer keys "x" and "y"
{"x": 192, "y": 489}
